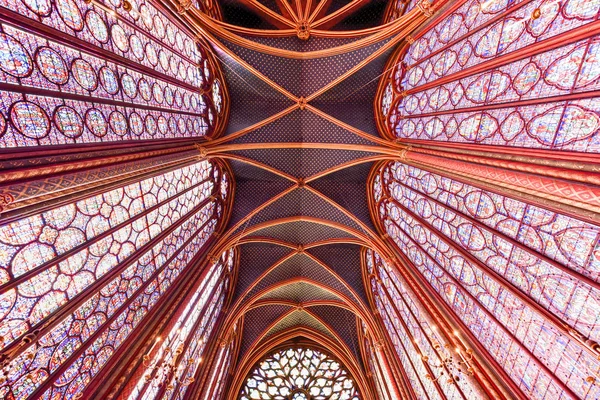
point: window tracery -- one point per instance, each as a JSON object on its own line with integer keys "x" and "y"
{"x": 299, "y": 373}
{"x": 120, "y": 75}
{"x": 498, "y": 264}
{"x": 455, "y": 82}
{"x": 175, "y": 363}
{"x": 414, "y": 336}
{"x": 77, "y": 280}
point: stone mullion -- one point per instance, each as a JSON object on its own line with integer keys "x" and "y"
{"x": 492, "y": 317}
{"x": 554, "y": 42}
{"x": 492, "y": 375}
{"x": 135, "y": 346}
{"x": 436, "y": 384}
{"x": 48, "y": 202}
{"x": 23, "y": 342}
{"x": 577, "y": 200}
{"x": 560, "y": 325}
{"x": 216, "y": 348}
{"x": 53, "y": 34}
{"x": 22, "y": 278}
{"x": 215, "y": 290}
{"x": 416, "y": 320}
{"x": 489, "y": 22}
{"x": 389, "y": 348}
{"x": 31, "y": 90}
{"x": 68, "y": 362}
{"x": 413, "y": 341}
{"x": 575, "y": 275}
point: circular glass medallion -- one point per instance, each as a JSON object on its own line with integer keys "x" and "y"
{"x": 178, "y": 99}
{"x": 52, "y": 65}
{"x": 170, "y": 34}
{"x": 172, "y": 126}
{"x": 43, "y": 8}
{"x": 169, "y": 95}
{"x": 158, "y": 93}
{"x": 181, "y": 125}
{"x": 108, "y": 80}
{"x": 97, "y": 26}
{"x": 84, "y": 74}
{"x": 151, "y": 54}
{"x": 137, "y": 47}
{"x": 179, "y": 41}
{"x": 146, "y": 16}
{"x": 150, "y": 123}
{"x": 173, "y": 65}
{"x": 68, "y": 121}
{"x": 70, "y": 14}
{"x": 129, "y": 85}
{"x": 29, "y": 119}
{"x": 162, "y": 125}
{"x": 118, "y": 123}
{"x": 14, "y": 59}
{"x": 164, "y": 60}
{"x": 144, "y": 88}
{"x": 159, "y": 27}
{"x": 136, "y": 123}
{"x": 119, "y": 38}
{"x": 96, "y": 123}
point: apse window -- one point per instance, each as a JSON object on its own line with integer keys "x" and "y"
{"x": 299, "y": 374}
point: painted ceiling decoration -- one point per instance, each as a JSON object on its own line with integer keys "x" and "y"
{"x": 299, "y": 199}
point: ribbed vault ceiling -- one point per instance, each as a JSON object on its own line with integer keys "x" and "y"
{"x": 300, "y": 216}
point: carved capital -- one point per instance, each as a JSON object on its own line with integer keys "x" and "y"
{"x": 404, "y": 153}
{"x": 183, "y": 6}
{"x": 409, "y": 39}
{"x": 426, "y": 7}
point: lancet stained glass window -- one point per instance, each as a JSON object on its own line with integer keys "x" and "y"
{"x": 83, "y": 276}
{"x": 116, "y": 75}
{"x": 414, "y": 336}
{"x": 453, "y": 83}
{"x": 508, "y": 271}
{"x": 299, "y": 373}
{"x": 175, "y": 362}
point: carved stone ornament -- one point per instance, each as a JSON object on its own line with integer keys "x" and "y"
{"x": 425, "y": 7}
{"x": 303, "y": 30}
{"x": 183, "y": 6}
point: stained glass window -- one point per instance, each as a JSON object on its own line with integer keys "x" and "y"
{"x": 217, "y": 384}
{"x": 376, "y": 369}
{"x": 453, "y": 83}
{"x": 514, "y": 273}
{"x": 116, "y": 75}
{"x": 414, "y": 336}
{"x": 299, "y": 373}
{"x": 81, "y": 278}
{"x": 175, "y": 363}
